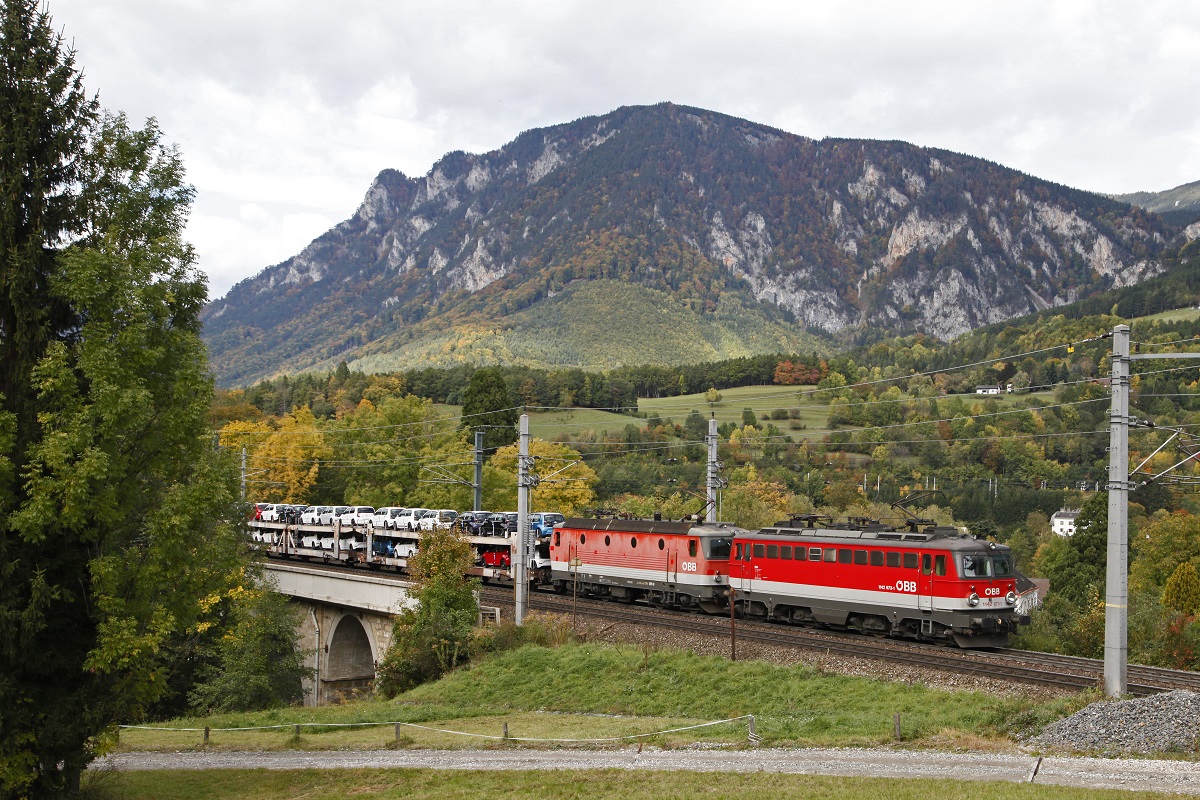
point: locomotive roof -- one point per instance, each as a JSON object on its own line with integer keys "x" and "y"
{"x": 652, "y": 526}
{"x": 944, "y": 536}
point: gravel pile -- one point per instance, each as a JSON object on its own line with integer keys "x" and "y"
{"x": 1161, "y": 723}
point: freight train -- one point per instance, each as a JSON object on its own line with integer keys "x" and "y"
{"x": 915, "y": 581}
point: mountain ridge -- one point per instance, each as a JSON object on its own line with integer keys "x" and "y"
{"x": 835, "y": 237}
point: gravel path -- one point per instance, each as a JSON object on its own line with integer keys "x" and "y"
{"x": 1097, "y": 773}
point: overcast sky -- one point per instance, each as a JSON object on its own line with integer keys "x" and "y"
{"x": 286, "y": 109}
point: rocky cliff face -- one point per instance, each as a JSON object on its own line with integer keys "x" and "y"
{"x": 847, "y": 238}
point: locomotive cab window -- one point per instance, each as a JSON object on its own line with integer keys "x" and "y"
{"x": 1002, "y": 563}
{"x": 745, "y": 552}
{"x": 557, "y": 538}
{"x": 691, "y": 548}
{"x": 737, "y": 552}
{"x": 772, "y": 551}
{"x": 975, "y": 565}
{"x": 926, "y": 564}
{"x": 939, "y": 565}
{"x": 718, "y": 547}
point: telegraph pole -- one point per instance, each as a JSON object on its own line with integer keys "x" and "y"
{"x": 714, "y": 466}
{"x": 478, "y": 469}
{"x": 1116, "y": 601}
{"x": 520, "y": 559}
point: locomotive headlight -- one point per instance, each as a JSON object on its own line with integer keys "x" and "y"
{"x": 972, "y": 599}
{"x": 716, "y": 577}
{"x": 1011, "y": 598}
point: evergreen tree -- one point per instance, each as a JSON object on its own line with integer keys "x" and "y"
{"x": 486, "y": 403}
{"x": 112, "y": 500}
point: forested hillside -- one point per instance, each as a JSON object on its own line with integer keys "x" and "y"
{"x": 843, "y": 435}
{"x": 730, "y": 236}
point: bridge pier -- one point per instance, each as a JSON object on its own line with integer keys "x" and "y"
{"x": 346, "y": 624}
{"x": 346, "y": 646}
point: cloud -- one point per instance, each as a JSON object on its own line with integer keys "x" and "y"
{"x": 294, "y": 105}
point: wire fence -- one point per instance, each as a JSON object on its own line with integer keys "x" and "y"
{"x": 752, "y": 734}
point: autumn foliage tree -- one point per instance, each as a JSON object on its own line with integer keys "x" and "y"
{"x": 434, "y": 637}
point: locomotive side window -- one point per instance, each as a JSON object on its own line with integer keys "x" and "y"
{"x": 633, "y": 541}
{"x": 860, "y": 556}
{"x": 876, "y": 558}
{"x": 759, "y": 551}
{"x": 893, "y": 559}
{"x": 939, "y": 565}
{"x": 737, "y": 551}
{"x": 745, "y": 553}
{"x": 785, "y": 552}
{"x": 845, "y": 555}
{"x": 583, "y": 538}
{"x": 557, "y": 538}
{"x": 910, "y": 560}
{"x": 830, "y": 555}
{"x": 607, "y": 540}
{"x": 691, "y": 548}
{"x": 661, "y": 544}
{"x": 772, "y": 551}
{"x": 814, "y": 554}
{"x": 926, "y": 564}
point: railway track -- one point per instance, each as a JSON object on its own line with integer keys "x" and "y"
{"x": 1042, "y": 669}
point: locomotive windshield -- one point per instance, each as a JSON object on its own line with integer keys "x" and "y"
{"x": 987, "y": 565}
{"x": 718, "y": 546}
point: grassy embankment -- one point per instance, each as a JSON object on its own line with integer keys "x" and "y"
{"x": 594, "y": 691}
{"x": 558, "y": 693}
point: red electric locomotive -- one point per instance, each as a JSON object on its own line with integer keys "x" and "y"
{"x": 928, "y": 583}
{"x": 680, "y": 564}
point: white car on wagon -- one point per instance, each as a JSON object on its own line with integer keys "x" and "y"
{"x": 442, "y": 519}
{"x": 408, "y": 522}
{"x": 385, "y": 518}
